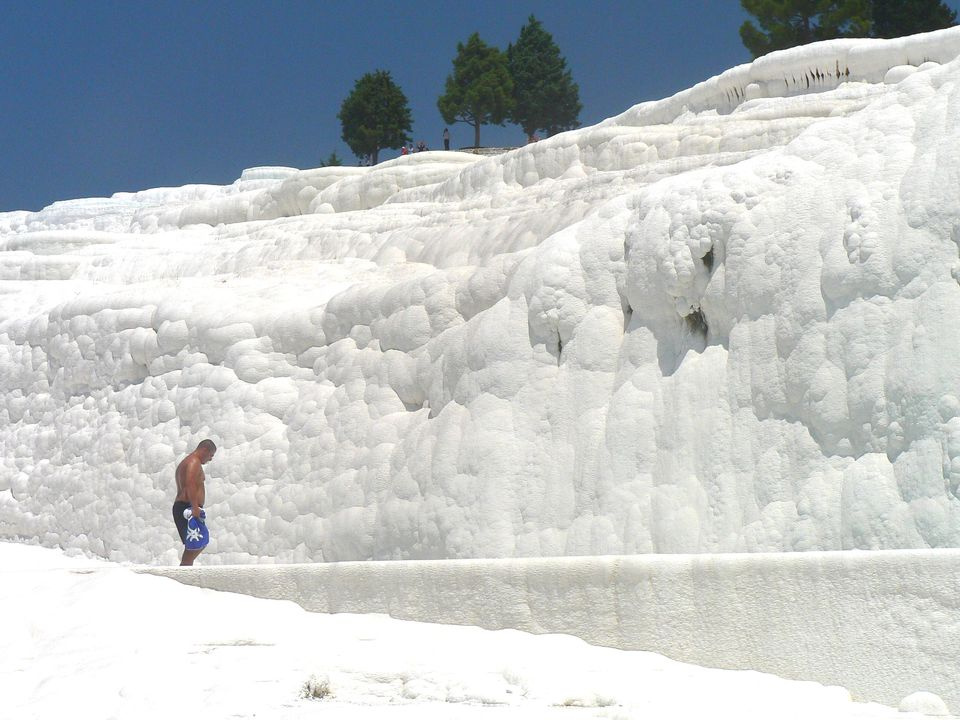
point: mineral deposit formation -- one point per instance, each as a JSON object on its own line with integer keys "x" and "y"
{"x": 724, "y": 321}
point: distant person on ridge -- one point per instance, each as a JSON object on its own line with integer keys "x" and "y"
{"x": 421, "y": 146}
{"x": 188, "y": 514}
{"x": 446, "y": 139}
{"x": 403, "y": 150}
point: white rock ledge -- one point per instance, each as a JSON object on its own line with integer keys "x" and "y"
{"x": 882, "y": 624}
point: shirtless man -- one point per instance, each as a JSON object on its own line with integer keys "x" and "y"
{"x": 191, "y": 492}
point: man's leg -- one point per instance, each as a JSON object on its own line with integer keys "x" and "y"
{"x": 189, "y": 556}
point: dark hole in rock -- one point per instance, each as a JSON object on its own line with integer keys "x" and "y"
{"x": 708, "y": 260}
{"x": 697, "y": 323}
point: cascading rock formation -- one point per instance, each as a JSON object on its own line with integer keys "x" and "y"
{"x": 724, "y": 321}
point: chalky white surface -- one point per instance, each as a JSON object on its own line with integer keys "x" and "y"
{"x": 925, "y": 703}
{"x": 884, "y": 624}
{"x": 725, "y": 321}
{"x": 94, "y": 640}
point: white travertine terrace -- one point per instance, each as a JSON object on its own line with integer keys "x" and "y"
{"x": 725, "y": 321}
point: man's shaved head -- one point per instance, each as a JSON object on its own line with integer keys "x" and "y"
{"x": 207, "y": 450}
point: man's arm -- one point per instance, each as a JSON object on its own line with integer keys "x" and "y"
{"x": 194, "y": 485}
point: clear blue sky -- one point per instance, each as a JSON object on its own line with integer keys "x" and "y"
{"x": 103, "y": 96}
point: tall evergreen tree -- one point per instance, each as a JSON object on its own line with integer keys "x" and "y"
{"x": 479, "y": 91}
{"x": 544, "y": 94}
{"x": 896, "y": 18}
{"x": 787, "y": 23}
{"x": 375, "y": 115}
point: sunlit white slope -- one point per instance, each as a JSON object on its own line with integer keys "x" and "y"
{"x": 96, "y": 641}
{"x": 725, "y": 321}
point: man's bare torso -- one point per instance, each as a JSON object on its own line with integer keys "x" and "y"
{"x": 191, "y": 463}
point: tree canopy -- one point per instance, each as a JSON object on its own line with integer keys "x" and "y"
{"x": 375, "y": 115}
{"x": 544, "y": 94}
{"x": 479, "y": 91}
{"x": 896, "y": 18}
{"x": 787, "y": 23}
{"x": 781, "y": 24}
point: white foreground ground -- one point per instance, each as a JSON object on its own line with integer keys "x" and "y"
{"x": 95, "y": 640}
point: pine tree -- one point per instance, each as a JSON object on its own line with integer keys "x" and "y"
{"x": 374, "y": 116}
{"x": 544, "y": 94}
{"x": 896, "y": 18}
{"x": 787, "y": 23}
{"x": 333, "y": 160}
{"x": 479, "y": 91}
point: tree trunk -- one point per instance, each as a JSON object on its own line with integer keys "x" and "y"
{"x": 476, "y": 134}
{"x": 374, "y": 156}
